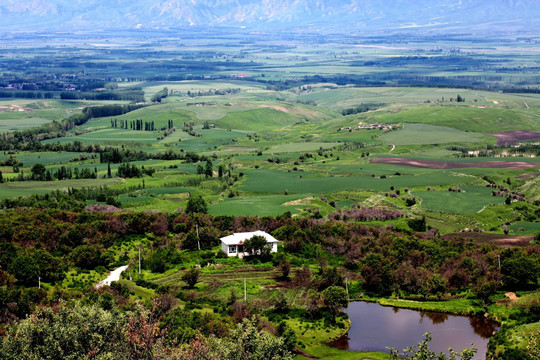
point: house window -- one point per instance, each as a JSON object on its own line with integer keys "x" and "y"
{"x": 232, "y": 249}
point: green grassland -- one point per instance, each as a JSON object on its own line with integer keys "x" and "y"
{"x": 50, "y": 158}
{"x": 271, "y": 181}
{"x": 471, "y": 199}
{"x": 20, "y": 188}
{"x": 461, "y": 117}
{"x": 269, "y": 205}
{"x": 287, "y": 151}
{"x": 424, "y": 134}
{"x": 31, "y": 113}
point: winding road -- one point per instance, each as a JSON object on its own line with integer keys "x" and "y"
{"x": 113, "y": 276}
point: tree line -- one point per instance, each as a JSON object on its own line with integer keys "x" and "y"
{"x": 134, "y": 94}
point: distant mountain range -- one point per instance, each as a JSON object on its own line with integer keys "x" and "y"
{"x": 314, "y": 15}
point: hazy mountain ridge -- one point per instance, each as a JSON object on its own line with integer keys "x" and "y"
{"x": 354, "y": 14}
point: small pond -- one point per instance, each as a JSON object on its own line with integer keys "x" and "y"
{"x": 375, "y": 327}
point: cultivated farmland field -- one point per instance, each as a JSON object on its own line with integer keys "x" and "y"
{"x": 281, "y": 129}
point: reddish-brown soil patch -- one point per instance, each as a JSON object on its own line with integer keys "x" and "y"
{"x": 435, "y": 164}
{"x": 528, "y": 176}
{"x": 511, "y": 137}
{"x": 102, "y": 208}
{"x": 495, "y": 239}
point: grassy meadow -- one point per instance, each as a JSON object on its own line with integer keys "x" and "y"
{"x": 298, "y": 147}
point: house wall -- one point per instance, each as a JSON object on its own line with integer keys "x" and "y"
{"x": 225, "y": 248}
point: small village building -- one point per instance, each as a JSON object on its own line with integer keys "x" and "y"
{"x": 233, "y": 245}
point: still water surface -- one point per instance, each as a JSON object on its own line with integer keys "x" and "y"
{"x": 374, "y": 327}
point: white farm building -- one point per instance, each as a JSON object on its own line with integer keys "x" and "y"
{"x": 233, "y": 245}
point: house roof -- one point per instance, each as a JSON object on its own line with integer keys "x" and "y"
{"x": 240, "y": 238}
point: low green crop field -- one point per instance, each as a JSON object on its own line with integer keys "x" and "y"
{"x": 472, "y": 199}
{"x": 425, "y": 134}
{"x": 257, "y": 120}
{"x": 214, "y": 108}
{"x": 525, "y": 228}
{"x": 159, "y": 114}
{"x": 270, "y": 205}
{"x": 301, "y": 147}
{"x": 274, "y": 181}
{"x": 7, "y": 125}
{"x": 19, "y": 114}
{"x": 110, "y": 136}
{"x": 349, "y": 97}
{"x": 47, "y": 158}
{"x": 210, "y": 139}
{"x": 24, "y": 188}
{"x": 461, "y": 117}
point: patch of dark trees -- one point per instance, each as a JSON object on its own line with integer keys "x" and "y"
{"x": 26, "y": 95}
{"x": 135, "y": 94}
{"x": 160, "y": 95}
{"x": 361, "y": 108}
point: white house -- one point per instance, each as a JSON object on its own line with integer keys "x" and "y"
{"x": 233, "y": 245}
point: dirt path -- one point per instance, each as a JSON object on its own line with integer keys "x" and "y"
{"x": 526, "y": 105}
{"x": 304, "y": 354}
{"x": 113, "y": 276}
{"x": 393, "y": 147}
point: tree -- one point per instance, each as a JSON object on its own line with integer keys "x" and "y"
{"x": 191, "y": 277}
{"x": 86, "y": 256}
{"x": 1, "y": 177}
{"x": 208, "y": 170}
{"x": 484, "y": 289}
{"x": 200, "y": 170}
{"x": 256, "y": 245}
{"x": 109, "y": 174}
{"x": 285, "y": 268}
{"x": 38, "y": 172}
{"x": 67, "y": 333}
{"x": 436, "y": 285}
{"x": 157, "y": 262}
{"x": 520, "y": 271}
{"x": 376, "y": 271}
{"x": 248, "y": 342}
{"x": 25, "y": 270}
{"x": 418, "y": 225}
{"x": 157, "y": 97}
{"x": 422, "y": 352}
{"x": 196, "y": 204}
{"x": 533, "y": 348}
{"x": 191, "y": 241}
{"x": 335, "y": 298}
{"x": 288, "y": 335}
